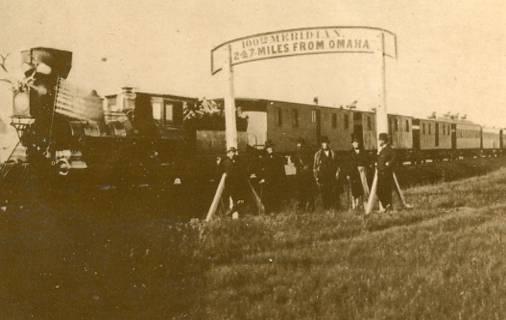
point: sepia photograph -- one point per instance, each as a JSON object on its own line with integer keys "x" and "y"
{"x": 252, "y": 159}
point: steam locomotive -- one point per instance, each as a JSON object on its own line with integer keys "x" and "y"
{"x": 127, "y": 138}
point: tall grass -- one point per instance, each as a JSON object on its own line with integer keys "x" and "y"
{"x": 443, "y": 260}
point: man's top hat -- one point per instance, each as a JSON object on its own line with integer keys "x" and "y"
{"x": 383, "y": 136}
{"x": 354, "y": 138}
{"x": 231, "y": 149}
{"x": 324, "y": 139}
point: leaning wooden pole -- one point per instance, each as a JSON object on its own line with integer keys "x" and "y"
{"x": 258, "y": 200}
{"x": 398, "y": 190}
{"x": 365, "y": 185}
{"x": 373, "y": 198}
{"x": 217, "y": 198}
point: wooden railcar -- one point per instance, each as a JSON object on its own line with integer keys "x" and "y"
{"x": 468, "y": 138}
{"x": 491, "y": 140}
{"x": 434, "y": 138}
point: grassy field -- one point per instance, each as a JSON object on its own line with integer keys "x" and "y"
{"x": 445, "y": 259}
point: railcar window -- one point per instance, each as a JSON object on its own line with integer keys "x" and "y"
{"x": 396, "y": 123}
{"x": 429, "y": 127}
{"x": 334, "y": 120}
{"x": 346, "y": 121}
{"x": 169, "y": 112}
{"x": 369, "y": 124}
{"x": 423, "y": 128}
{"x": 313, "y": 116}
{"x": 407, "y": 125}
{"x": 157, "y": 110}
{"x": 295, "y": 116}
{"x": 280, "y": 117}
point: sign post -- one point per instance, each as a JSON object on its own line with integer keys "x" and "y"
{"x": 381, "y": 111}
{"x": 304, "y": 41}
{"x": 229, "y": 101}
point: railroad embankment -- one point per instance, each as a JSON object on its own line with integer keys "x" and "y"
{"x": 444, "y": 259}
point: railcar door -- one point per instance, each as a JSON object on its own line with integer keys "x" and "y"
{"x": 358, "y": 129}
{"x": 454, "y": 135}
{"x": 436, "y": 134}
{"x": 316, "y": 115}
{"x": 481, "y": 138}
{"x": 415, "y": 128}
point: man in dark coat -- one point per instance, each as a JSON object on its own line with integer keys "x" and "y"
{"x": 235, "y": 183}
{"x": 303, "y": 161}
{"x": 385, "y": 165}
{"x": 326, "y": 173}
{"x": 357, "y": 173}
{"x": 272, "y": 177}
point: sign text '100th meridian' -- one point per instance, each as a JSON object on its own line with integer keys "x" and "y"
{"x": 305, "y": 41}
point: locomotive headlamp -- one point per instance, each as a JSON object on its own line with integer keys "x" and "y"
{"x": 21, "y": 104}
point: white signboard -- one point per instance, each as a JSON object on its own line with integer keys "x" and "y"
{"x": 305, "y": 41}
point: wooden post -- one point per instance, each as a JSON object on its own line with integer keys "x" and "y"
{"x": 349, "y": 195}
{"x": 230, "y": 127}
{"x": 399, "y": 192}
{"x": 381, "y": 123}
{"x": 381, "y": 111}
{"x": 258, "y": 200}
{"x": 365, "y": 185}
{"x": 229, "y": 101}
{"x": 372, "y": 196}
{"x": 217, "y": 198}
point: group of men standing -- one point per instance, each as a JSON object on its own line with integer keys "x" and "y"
{"x": 324, "y": 172}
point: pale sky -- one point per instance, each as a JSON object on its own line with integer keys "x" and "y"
{"x": 452, "y": 54}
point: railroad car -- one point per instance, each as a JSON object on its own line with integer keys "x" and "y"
{"x": 468, "y": 136}
{"x": 400, "y": 131}
{"x": 434, "y": 138}
{"x": 491, "y": 140}
{"x": 415, "y": 139}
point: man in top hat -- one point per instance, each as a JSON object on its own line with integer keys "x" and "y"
{"x": 326, "y": 173}
{"x": 303, "y": 161}
{"x": 272, "y": 176}
{"x": 385, "y": 165}
{"x": 357, "y": 173}
{"x": 235, "y": 183}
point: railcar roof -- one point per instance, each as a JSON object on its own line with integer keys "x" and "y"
{"x": 161, "y": 95}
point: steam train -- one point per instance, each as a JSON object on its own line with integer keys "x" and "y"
{"x": 145, "y": 138}
{"x": 415, "y": 139}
